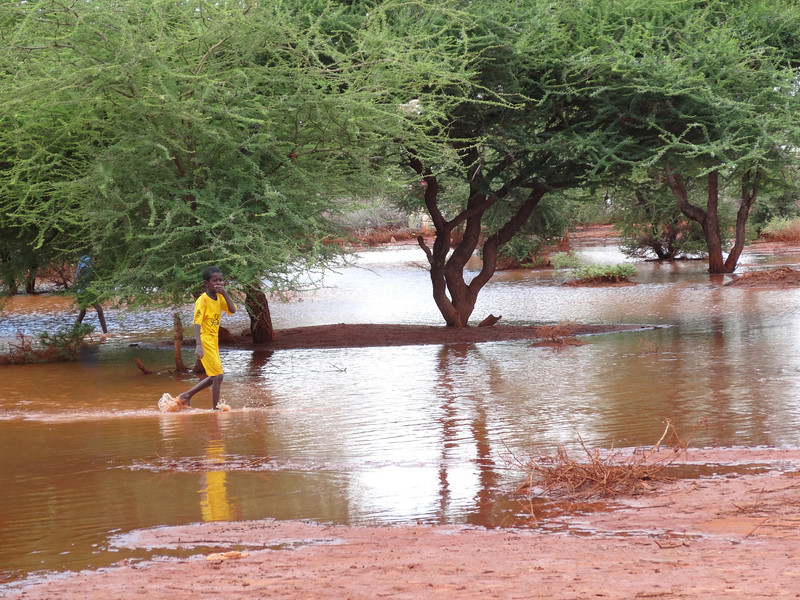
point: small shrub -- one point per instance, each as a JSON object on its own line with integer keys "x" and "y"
{"x": 565, "y": 260}
{"x": 557, "y": 336}
{"x": 522, "y": 251}
{"x": 62, "y": 345}
{"x": 603, "y": 273}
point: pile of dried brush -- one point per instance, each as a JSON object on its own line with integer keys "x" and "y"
{"x": 602, "y": 473}
{"x": 557, "y": 336}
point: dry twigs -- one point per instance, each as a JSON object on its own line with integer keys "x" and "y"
{"x": 558, "y": 335}
{"x": 603, "y": 473}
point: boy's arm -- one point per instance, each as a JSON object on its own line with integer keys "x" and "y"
{"x": 229, "y": 302}
{"x": 198, "y": 347}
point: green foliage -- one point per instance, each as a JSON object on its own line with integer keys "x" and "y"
{"x": 782, "y": 229}
{"x": 777, "y": 204}
{"x": 62, "y": 345}
{"x": 565, "y": 260}
{"x": 165, "y": 136}
{"x": 578, "y": 271}
{"x": 650, "y": 223}
{"x": 375, "y": 213}
{"x": 603, "y": 273}
{"x": 547, "y": 225}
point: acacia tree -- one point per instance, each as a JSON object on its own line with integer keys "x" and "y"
{"x": 510, "y": 141}
{"x": 706, "y": 93}
{"x": 209, "y": 132}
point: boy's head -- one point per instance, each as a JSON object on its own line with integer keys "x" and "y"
{"x": 209, "y": 271}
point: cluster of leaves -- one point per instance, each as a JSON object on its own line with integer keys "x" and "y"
{"x": 163, "y": 136}
{"x": 580, "y": 272}
{"x": 603, "y": 273}
{"x": 565, "y": 260}
{"x": 62, "y": 345}
{"x": 652, "y": 225}
{"x": 546, "y": 226}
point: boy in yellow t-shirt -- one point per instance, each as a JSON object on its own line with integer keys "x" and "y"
{"x": 207, "y": 314}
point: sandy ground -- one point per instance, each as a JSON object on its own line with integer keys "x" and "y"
{"x": 727, "y": 536}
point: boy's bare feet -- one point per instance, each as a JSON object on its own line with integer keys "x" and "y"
{"x": 184, "y": 401}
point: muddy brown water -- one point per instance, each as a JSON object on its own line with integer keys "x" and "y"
{"x": 379, "y": 435}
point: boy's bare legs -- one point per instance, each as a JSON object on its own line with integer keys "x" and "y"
{"x": 100, "y": 315}
{"x": 215, "y": 388}
{"x": 186, "y": 397}
{"x": 215, "y": 382}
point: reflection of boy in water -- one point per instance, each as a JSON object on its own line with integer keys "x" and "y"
{"x": 207, "y": 314}
{"x": 84, "y": 274}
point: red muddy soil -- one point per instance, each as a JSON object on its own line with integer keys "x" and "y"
{"x": 778, "y": 278}
{"x": 733, "y": 536}
{"x": 345, "y": 335}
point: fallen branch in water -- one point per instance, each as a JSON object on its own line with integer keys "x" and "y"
{"x": 142, "y": 368}
{"x": 147, "y": 371}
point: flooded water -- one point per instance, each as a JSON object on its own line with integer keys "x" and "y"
{"x": 378, "y": 435}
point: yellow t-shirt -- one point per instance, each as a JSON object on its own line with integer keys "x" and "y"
{"x": 207, "y": 314}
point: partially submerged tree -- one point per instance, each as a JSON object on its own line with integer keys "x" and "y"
{"x": 651, "y": 225}
{"x": 510, "y": 141}
{"x": 706, "y": 93}
{"x": 580, "y": 92}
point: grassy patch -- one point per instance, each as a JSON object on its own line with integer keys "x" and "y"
{"x": 603, "y": 273}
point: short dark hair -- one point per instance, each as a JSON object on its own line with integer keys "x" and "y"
{"x": 209, "y": 271}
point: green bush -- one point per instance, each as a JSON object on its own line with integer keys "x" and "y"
{"x": 565, "y": 260}
{"x": 604, "y": 273}
{"x": 547, "y": 225}
{"x": 775, "y": 206}
{"x": 50, "y": 347}
{"x": 651, "y": 224}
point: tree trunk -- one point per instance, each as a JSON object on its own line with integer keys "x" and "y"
{"x": 708, "y": 219}
{"x": 437, "y": 258}
{"x": 30, "y": 281}
{"x": 749, "y": 195}
{"x": 177, "y": 343}
{"x": 260, "y": 319}
{"x": 716, "y": 264}
{"x": 454, "y": 297}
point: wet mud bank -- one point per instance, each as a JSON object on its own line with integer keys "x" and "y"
{"x": 365, "y": 335}
{"x": 733, "y": 535}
